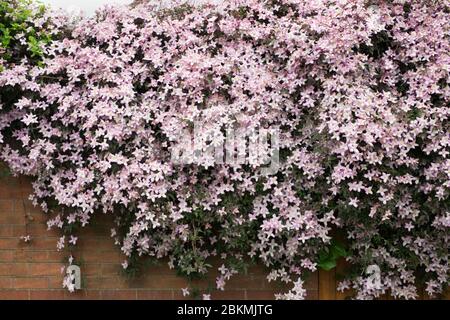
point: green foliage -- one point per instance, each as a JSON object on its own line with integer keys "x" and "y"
{"x": 328, "y": 257}
{"x": 19, "y": 37}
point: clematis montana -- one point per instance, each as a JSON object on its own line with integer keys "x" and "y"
{"x": 358, "y": 89}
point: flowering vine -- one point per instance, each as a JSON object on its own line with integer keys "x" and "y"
{"x": 358, "y": 89}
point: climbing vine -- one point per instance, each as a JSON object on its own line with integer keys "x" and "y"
{"x": 356, "y": 91}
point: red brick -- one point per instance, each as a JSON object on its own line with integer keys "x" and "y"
{"x": 47, "y": 294}
{"x": 32, "y": 209}
{"x": 17, "y": 269}
{"x": 228, "y": 295}
{"x": 38, "y": 217}
{"x": 10, "y": 192}
{"x": 14, "y": 294}
{"x": 44, "y": 243}
{"x": 6, "y": 230}
{"x": 93, "y": 294}
{"x": 9, "y": 243}
{"x": 260, "y": 295}
{"x": 25, "y": 186}
{"x": 30, "y": 256}
{"x": 100, "y": 228}
{"x": 161, "y": 268}
{"x": 257, "y": 270}
{"x": 55, "y": 282}
{"x": 6, "y": 206}
{"x": 30, "y": 283}
{"x": 5, "y": 283}
{"x": 273, "y": 285}
{"x": 92, "y": 256}
{"x": 6, "y": 255}
{"x": 7, "y": 218}
{"x": 91, "y": 269}
{"x": 44, "y": 269}
{"x": 99, "y": 243}
{"x": 55, "y": 256}
{"x": 38, "y": 229}
{"x": 157, "y": 282}
{"x": 76, "y": 295}
{"x": 106, "y": 283}
{"x": 155, "y": 294}
{"x": 119, "y": 294}
{"x": 110, "y": 269}
{"x": 246, "y": 282}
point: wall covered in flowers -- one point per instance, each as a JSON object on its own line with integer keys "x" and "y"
{"x": 93, "y": 109}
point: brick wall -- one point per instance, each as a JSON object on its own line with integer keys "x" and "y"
{"x": 33, "y": 271}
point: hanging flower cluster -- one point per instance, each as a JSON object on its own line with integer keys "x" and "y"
{"x": 358, "y": 92}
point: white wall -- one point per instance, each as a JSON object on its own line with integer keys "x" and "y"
{"x": 88, "y": 6}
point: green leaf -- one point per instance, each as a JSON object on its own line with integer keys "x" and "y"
{"x": 327, "y": 265}
{"x": 337, "y": 250}
{"x": 6, "y": 37}
{"x": 328, "y": 257}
